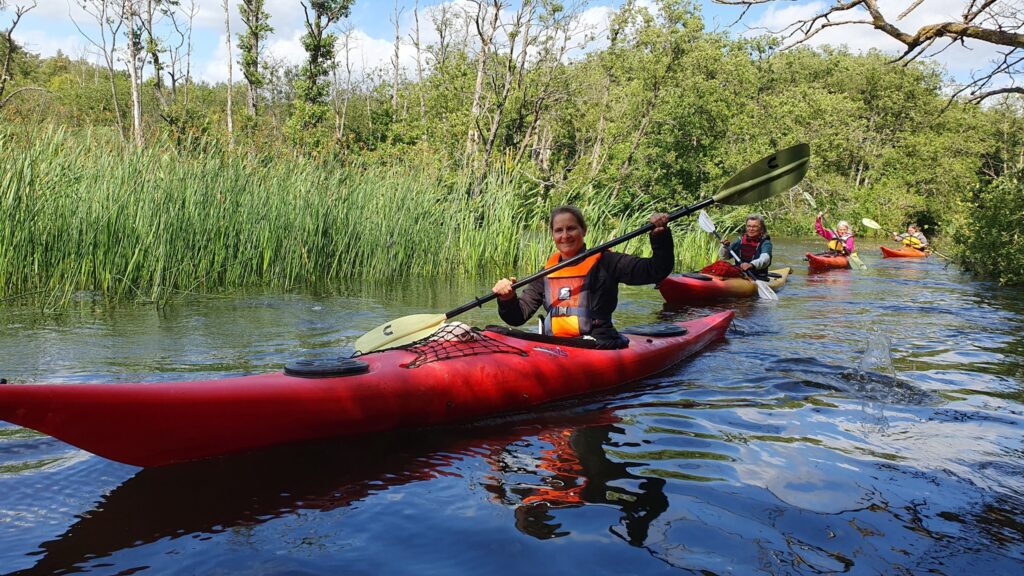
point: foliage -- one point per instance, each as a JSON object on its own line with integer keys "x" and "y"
{"x": 988, "y": 234}
{"x": 659, "y": 117}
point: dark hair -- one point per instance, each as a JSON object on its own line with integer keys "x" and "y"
{"x": 567, "y": 209}
{"x": 760, "y": 220}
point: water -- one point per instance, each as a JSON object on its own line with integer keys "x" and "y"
{"x": 868, "y": 422}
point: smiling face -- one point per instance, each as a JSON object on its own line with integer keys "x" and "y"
{"x": 843, "y": 230}
{"x": 567, "y": 234}
{"x": 753, "y": 229}
{"x": 911, "y": 229}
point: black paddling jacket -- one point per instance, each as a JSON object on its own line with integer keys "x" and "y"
{"x": 603, "y": 281}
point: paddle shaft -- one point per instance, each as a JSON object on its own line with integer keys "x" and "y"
{"x": 481, "y": 300}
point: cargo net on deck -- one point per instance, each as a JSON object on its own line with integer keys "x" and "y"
{"x": 455, "y": 340}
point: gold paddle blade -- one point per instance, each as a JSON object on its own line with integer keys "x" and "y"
{"x": 399, "y": 332}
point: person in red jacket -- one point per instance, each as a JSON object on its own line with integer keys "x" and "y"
{"x": 579, "y": 299}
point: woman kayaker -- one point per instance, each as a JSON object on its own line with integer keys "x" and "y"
{"x": 840, "y": 242}
{"x": 580, "y": 299}
{"x": 754, "y": 248}
{"x": 913, "y": 238}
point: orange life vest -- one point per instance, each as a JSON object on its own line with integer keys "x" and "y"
{"x": 567, "y": 298}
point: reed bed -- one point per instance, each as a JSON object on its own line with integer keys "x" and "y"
{"x": 81, "y": 213}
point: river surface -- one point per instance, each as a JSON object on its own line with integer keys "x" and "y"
{"x": 870, "y": 422}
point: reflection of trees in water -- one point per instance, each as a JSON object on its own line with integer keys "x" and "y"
{"x": 577, "y": 472}
{"x": 1001, "y": 521}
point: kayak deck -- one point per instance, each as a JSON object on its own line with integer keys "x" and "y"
{"x": 152, "y": 424}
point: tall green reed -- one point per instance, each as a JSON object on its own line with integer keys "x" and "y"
{"x": 80, "y": 212}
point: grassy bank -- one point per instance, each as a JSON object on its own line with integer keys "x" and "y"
{"x": 82, "y": 212}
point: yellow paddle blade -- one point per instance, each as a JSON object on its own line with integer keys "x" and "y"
{"x": 400, "y": 331}
{"x": 857, "y": 261}
{"x": 870, "y": 223}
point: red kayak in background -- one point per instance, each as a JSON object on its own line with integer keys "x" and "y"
{"x": 477, "y": 374}
{"x": 695, "y": 287}
{"x": 820, "y": 262}
{"x": 903, "y": 252}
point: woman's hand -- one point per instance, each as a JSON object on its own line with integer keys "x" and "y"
{"x": 660, "y": 222}
{"x": 820, "y": 214}
{"x": 746, "y": 266}
{"x": 503, "y": 288}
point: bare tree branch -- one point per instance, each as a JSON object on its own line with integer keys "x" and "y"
{"x": 995, "y": 22}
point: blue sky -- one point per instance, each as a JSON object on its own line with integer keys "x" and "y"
{"x": 50, "y": 27}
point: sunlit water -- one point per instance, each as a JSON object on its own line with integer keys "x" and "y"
{"x": 868, "y": 422}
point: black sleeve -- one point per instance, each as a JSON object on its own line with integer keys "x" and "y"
{"x": 634, "y": 270}
{"x": 516, "y": 311}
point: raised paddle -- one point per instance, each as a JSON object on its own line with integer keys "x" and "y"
{"x": 852, "y": 255}
{"x": 875, "y": 225}
{"x": 763, "y": 289}
{"x": 762, "y": 179}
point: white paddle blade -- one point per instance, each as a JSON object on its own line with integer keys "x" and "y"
{"x": 705, "y": 222}
{"x": 870, "y": 223}
{"x": 398, "y": 332}
{"x": 810, "y": 200}
{"x": 765, "y": 291}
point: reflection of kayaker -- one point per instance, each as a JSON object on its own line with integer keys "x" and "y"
{"x": 579, "y": 473}
{"x": 199, "y": 499}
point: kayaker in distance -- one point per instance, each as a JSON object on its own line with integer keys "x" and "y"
{"x": 580, "y": 299}
{"x": 913, "y": 238}
{"x": 754, "y": 248}
{"x": 839, "y": 242}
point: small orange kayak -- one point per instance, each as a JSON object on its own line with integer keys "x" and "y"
{"x": 826, "y": 261}
{"x": 904, "y": 252}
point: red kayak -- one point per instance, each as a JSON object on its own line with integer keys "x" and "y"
{"x": 827, "y": 261}
{"x": 904, "y": 252}
{"x": 695, "y": 287}
{"x": 479, "y": 374}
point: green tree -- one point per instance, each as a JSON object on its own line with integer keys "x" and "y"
{"x": 250, "y": 43}
{"x": 307, "y": 126}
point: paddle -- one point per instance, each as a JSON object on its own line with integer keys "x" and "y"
{"x": 762, "y": 179}
{"x": 763, "y": 289}
{"x": 875, "y": 225}
{"x": 853, "y": 255}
